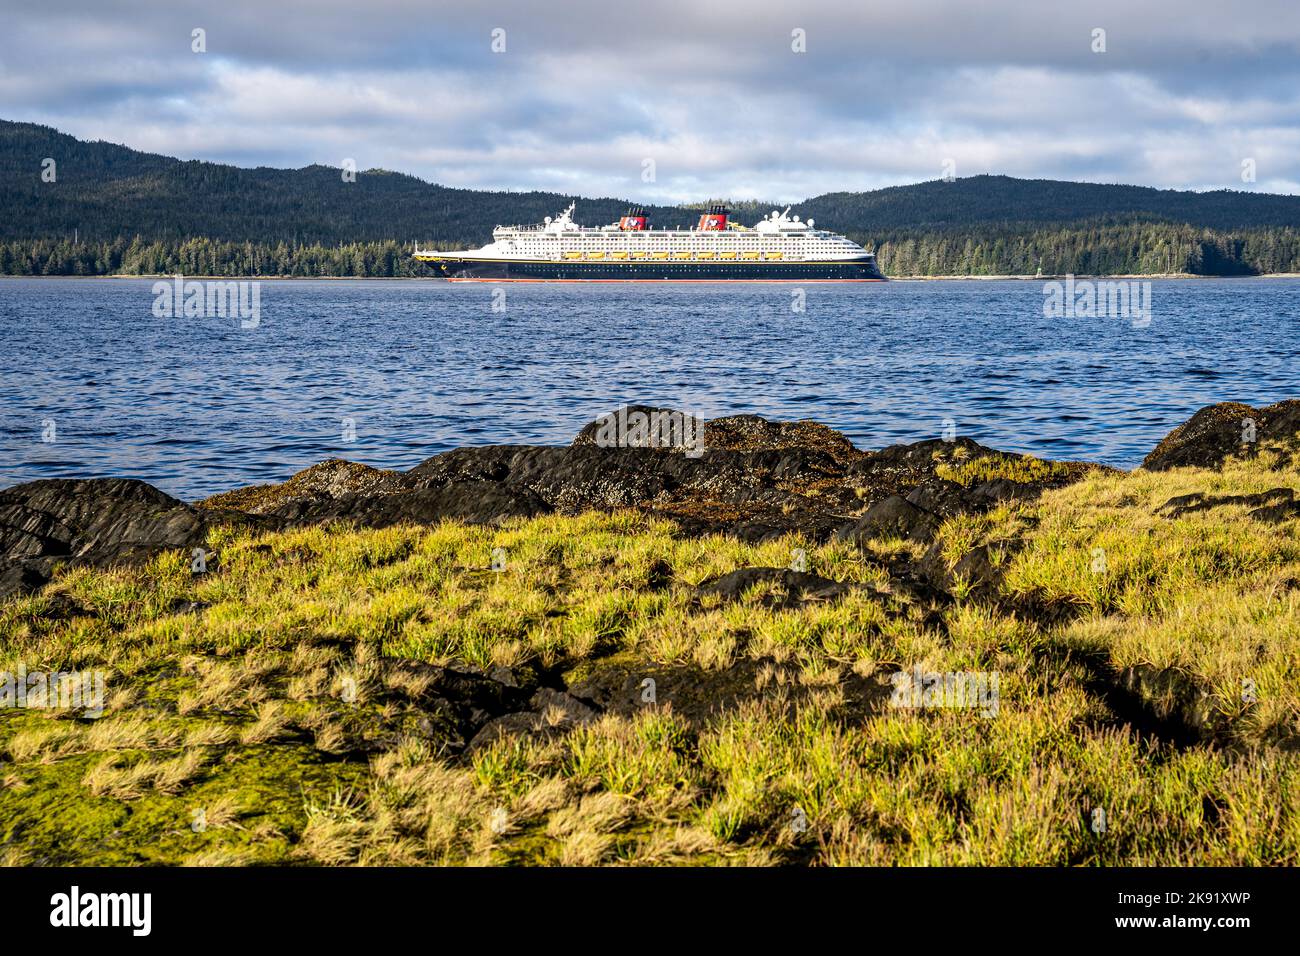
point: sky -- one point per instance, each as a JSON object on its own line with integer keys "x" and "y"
{"x": 679, "y": 100}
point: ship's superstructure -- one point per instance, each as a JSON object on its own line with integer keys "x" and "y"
{"x": 779, "y": 248}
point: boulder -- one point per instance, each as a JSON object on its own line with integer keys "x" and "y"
{"x": 894, "y": 517}
{"x": 739, "y": 433}
{"x": 73, "y": 517}
{"x": 753, "y": 433}
{"x": 1218, "y": 432}
{"x": 330, "y": 480}
{"x": 578, "y": 477}
{"x": 645, "y": 426}
{"x": 98, "y": 521}
{"x": 940, "y": 497}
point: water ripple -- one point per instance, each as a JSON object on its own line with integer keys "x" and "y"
{"x": 196, "y": 406}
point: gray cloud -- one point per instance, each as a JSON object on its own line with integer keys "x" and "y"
{"x": 712, "y": 93}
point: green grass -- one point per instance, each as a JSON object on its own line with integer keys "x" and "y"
{"x": 273, "y": 711}
{"x": 1022, "y": 468}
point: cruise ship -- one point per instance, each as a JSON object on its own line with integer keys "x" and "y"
{"x": 779, "y": 248}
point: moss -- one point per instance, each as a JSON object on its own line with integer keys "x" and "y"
{"x": 226, "y": 694}
{"x": 1025, "y": 469}
{"x": 58, "y": 821}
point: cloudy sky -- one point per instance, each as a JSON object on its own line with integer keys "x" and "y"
{"x": 713, "y": 92}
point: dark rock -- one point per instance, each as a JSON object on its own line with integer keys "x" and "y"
{"x": 479, "y": 697}
{"x": 550, "y": 712}
{"x": 330, "y": 479}
{"x": 892, "y": 518}
{"x": 735, "y": 433}
{"x": 998, "y": 490}
{"x": 74, "y": 517}
{"x": 1183, "y": 503}
{"x": 579, "y": 477}
{"x": 627, "y": 687}
{"x": 570, "y": 709}
{"x": 644, "y": 426}
{"x": 659, "y": 575}
{"x": 797, "y": 586}
{"x": 911, "y": 472}
{"x": 512, "y": 678}
{"x": 1218, "y": 432}
{"x": 921, "y": 457}
{"x": 1267, "y": 504}
{"x": 522, "y": 724}
{"x": 567, "y": 479}
{"x": 22, "y": 577}
{"x": 940, "y": 497}
{"x": 182, "y": 606}
{"x": 976, "y": 567}
{"x": 756, "y": 480}
{"x": 96, "y": 521}
{"x": 479, "y": 502}
{"x": 746, "y": 433}
{"x": 719, "y": 491}
{"x": 1276, "y": 514}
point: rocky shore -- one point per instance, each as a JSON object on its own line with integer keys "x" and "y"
{"x": 668, "y": 652}
{"x": 756, "y": 480}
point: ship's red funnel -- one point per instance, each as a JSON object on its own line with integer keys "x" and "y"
{"x": 715, "y": 220}
{"x": 633, "y": 221}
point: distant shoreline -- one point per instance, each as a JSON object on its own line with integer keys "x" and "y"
{"x": 1125, "y": 275}
{"x": 946, "y": 278}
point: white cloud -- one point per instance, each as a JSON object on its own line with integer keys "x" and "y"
{"x": 711, "y": 92}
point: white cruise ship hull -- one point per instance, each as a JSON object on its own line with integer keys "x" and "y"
{"x": 462, "y": 269}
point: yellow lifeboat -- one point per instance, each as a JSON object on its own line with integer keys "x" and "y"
{"x": 618, "y": 255}
{"x": 773, "y": 255}
{"x": 704, "y": 255}
{"x": 661, "y": 255}
{"x": 749, "y": 255}
{"x": 726, "y": 255}
{"x": 681, "y": 255}
{"x": 639, "y": 255}
{"x": 595, "y": 255}
{"x": 573, "y": 255}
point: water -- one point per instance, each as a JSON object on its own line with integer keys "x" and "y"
{"x": 196, "y": 406}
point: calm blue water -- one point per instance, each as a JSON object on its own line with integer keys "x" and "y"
{"x": 196, "y": 406}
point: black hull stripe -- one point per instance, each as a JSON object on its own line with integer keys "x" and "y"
{"x": 489, "y": 270}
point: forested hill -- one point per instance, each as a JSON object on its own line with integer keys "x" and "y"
{"x": 106, "y": 191}
{"x": 999, "y": 199}
{"x": 137, "y": 212}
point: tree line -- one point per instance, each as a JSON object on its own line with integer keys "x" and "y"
{"x": 1103, "y": 248}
